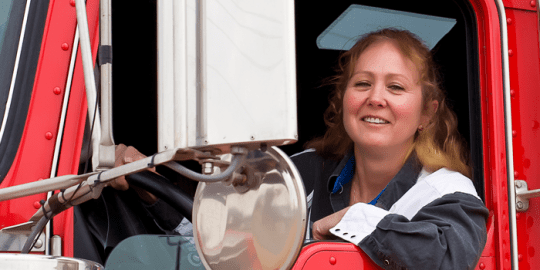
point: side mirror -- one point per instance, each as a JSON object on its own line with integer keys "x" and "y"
{"x": 259, "y": 223}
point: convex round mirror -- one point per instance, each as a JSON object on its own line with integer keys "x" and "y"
{"x": 259, "y": 225}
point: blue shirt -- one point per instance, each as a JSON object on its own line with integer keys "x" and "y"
{"x": 345, "y": 177}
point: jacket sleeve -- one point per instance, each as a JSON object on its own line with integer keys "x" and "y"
{"x": 448, "y": 233}
{"x": 439, "y": 223}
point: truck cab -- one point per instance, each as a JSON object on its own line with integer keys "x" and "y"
{"x": 160, "y": 54}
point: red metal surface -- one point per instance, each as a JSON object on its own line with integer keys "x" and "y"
{"x": 521, "y": 4}
{"x": 35, "y": 154}
{"x": 493, "y": 127}
{"x": 524, "y": 81}
{"x": 336, "y": 256}
{"x": 488, "y": 259}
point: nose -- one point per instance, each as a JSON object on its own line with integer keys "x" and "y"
{"x": 376, "y": 96}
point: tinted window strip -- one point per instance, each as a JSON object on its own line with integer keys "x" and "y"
{"x": 8, "y": 53}
{"x": 24, "y": 84}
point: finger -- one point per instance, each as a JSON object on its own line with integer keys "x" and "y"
{"x": 119, "y": 150}
{"x": 120, "y": 183}
{"x": 132, "y": 154}
{"x": 321, "y": 228}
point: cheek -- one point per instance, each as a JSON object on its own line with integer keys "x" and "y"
{"x": 351, "y": 103}
{"x": 408, "y": 111}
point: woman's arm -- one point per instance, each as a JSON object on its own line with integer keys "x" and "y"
{"x": 440, "y": 223}
{"x": 449, "y": 233}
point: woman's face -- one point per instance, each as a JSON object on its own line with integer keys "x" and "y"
{"x": 382, "y": 105}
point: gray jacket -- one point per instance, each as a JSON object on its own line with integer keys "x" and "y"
{"x": 421, "y": 221}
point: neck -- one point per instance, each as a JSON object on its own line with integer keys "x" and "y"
{"x": 373, "y": 171}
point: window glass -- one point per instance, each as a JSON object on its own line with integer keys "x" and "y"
{"x": 358, "y": 20}
{"x": 5, "y": 8}
{"x": 18, "y": 44}
{"x": 11, "y": 15}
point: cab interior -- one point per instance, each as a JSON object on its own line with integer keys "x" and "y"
{"x": 135, "y": 71}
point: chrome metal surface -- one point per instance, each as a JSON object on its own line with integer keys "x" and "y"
{"x": 15, "y": 242}
{"x": 44, "y": 262}
{"x": 201, "y": 74}
{"x": 508, "y": 126}
{"x": 89, "y": 80}
{"x": 92, "y": 187}
{"x": 22, "y": 228}
{"x": 32, "y": 188}
{"x": 170, "y": 55}
{"x": 212, "y": 57}
{"x": 56, "y": 245}
{"x": 258, "y": 225}
{"x": 523, "y": 194}
{"x": 106, "y": 144}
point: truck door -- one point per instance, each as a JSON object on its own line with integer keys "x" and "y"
{"x": 524, "y": 73}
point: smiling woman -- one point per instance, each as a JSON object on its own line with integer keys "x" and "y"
{"x": 382, "y": 105}
{"x": 391, "y": 174}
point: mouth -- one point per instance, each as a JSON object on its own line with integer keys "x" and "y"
{"x": 374, "y": 120}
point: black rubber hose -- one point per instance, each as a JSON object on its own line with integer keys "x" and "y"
{"x": 31, "y": 240}
{"x": 163, "y": 189}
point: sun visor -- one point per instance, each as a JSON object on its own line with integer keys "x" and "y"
{"x": 358, "y": 20}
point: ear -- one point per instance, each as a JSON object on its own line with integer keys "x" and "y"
{"x": 429, "y": 111}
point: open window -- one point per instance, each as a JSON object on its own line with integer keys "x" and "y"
{"x": 455, "y": 54}
{"x": 135, "y": 78}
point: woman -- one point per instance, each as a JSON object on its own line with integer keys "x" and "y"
{"x": 390, "y": 175}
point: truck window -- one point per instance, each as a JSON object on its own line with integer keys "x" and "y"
{"x": 456, "y": 55}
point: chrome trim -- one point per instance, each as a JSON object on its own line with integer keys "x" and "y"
{"x": 42, "y": 262}
{"x": 14, "y": 76}
{"x": 89, "y": 80}
{"x": 508, "y": 125}
{"x": 106, "y": 144}
{"x": 60, "y": 132}
{"x": 201, "y": 73}
{"x": 14, "y": 242}
{"x": 166, "y": 77}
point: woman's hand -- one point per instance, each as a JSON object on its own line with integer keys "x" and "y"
{"x": 321, "y": 227}
{"x": 124, "y": 155}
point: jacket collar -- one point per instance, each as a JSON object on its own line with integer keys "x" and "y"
{"x": 401, "y": 183}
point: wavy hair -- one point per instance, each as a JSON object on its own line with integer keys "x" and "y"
{"x": 438, "y": 145}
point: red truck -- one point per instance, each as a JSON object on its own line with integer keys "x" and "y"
{"x": 489, "y": 58}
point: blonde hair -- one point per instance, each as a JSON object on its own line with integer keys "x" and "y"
{"x": 438, "y": 145}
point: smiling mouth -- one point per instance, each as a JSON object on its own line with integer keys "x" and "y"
{"x": 375, "y": 120}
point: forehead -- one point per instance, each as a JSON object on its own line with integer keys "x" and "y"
{"x": 385, "y": 57}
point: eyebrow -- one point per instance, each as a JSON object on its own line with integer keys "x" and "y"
{"x": 389, "y": 75}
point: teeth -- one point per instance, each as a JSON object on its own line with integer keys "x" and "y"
{"x": 375, "y": 120}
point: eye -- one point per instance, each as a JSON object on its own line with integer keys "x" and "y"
{"x": 362, "y": 84}
{"x": 396, "y": 87}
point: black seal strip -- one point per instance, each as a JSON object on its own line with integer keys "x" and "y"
{"x": 96, "y": 182}
{"x": 152, "y": 164}
{"x": 105, "y": 54}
